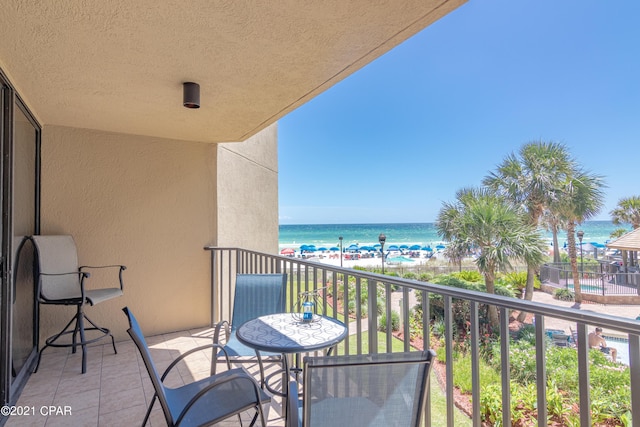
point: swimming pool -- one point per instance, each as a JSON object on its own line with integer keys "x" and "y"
{"x": 588, "y": 288}
{"x": 622, "y": 345}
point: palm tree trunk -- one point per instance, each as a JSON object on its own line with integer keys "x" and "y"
{"x": 528, "y": 289}
{"x": 571, "y": 241}
{"x": 556, "y": 248}
{"x": 489, "y": 281}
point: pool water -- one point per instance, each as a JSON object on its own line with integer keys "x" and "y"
{"x": 588, "y": 288}
{"x": 622, "y": 345}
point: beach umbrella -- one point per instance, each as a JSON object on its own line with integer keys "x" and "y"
{"x": 597, "y": 245}
{"x": 427, "y": 248}
{"x": 287, "y": 251}
{"x": 322, "y": 248}
{"x": 404, "y": 247}
{"x": 414, "y": 247}
{"x": 353, "y": 247}
{"x": 440, "y": 247}
{"x": 334, "y": 249}
{"x": 393, "y": 248}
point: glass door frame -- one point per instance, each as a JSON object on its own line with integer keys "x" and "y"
{"x": 11, "y": 386}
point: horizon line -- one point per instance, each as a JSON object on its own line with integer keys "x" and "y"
{"x": 404, "y": 222}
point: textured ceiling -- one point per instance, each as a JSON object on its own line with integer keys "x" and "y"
{"x": 118, "y": 65}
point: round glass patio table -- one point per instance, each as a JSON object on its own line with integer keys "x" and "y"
{"x": 288, "y": 334}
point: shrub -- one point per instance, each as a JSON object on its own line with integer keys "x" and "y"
{"x": 395, "y": 322}
{"x": 461, "y": 308}
{"x": 564, "y": 294}
{"x": 425, "y": 277}
{"x": 469, "y": 276}
{"x": 410, "y": 275}
{"x": 462, "y": 373}
{"x": 610, "y": 388}
{"x": 438, "y": 328}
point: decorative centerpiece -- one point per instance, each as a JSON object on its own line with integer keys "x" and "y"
{"x": 307, "y": 307}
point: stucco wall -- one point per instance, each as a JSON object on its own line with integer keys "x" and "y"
{"x": 151, "y": 204}
{"x": 248, "y": 192}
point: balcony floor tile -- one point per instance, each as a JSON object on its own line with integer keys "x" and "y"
{"x": 116, "y": 389}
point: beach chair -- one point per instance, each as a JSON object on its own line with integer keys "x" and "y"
{"x": 561, "y": 340}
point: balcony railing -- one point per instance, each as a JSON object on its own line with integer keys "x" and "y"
{"x": 364, "y": 321}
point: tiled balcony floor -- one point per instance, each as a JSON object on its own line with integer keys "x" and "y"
{"x": 116, "y": 390}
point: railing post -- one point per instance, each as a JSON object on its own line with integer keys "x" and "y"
{"x": 388, "y": 309}
{"x": 505, "y": 367}
{"x": 541, "y": 370}
{"x": 372, "y": 316}
{"x": 448, "y": 345}
{"x": 426, "y": 344}
{"x": 583, "y": 374}
{"x": 404, "y": 315}
{"x": 214, "y": 291}
{"x": 475, "y": 365}
{"x": 634, "y": 366}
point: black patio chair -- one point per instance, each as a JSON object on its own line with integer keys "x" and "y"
{"x": 387, "y": 389}
{"x": 204, "y": 402}
{"x": 61, "y": 281}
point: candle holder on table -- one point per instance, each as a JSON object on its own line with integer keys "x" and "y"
{"x": 307, "y": 307}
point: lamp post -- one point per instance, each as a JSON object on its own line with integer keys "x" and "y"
{"x": 580, "y": 235}
{"x": 340, "y": 238}
{"x": 382, "y": 238}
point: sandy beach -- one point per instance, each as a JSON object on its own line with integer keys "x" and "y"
{"x": 392, "y": 260}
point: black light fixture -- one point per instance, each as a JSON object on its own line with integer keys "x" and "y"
{"x": 191, "y": 95}
{"x": 382, "y": 238}
{"x": 580, "y": 235}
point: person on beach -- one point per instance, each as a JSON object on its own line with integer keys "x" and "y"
{"x": 596, "y": 341}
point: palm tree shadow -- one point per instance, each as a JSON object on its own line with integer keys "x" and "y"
{"x": 576, "y": 305}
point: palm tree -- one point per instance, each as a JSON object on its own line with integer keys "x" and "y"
{"x": 583, "y": 199}
{"x": 486, "y": 221}
{"x": 456, "y": 254}
{"x": 627, "y": 211}
{"x": 533, "y": 180}
{"x": 618, "y": 232}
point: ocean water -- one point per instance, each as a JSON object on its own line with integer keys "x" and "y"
{"x": 293, "y": 236}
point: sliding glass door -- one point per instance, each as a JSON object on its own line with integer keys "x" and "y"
{"x": 20, "y": 166}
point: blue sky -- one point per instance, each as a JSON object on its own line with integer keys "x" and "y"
{"x": 394, "y": 140}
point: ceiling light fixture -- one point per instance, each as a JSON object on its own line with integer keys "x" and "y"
{"x": 191, "y": 95}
